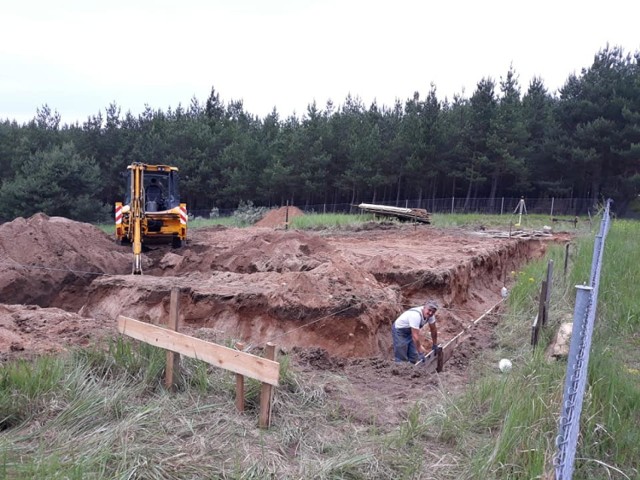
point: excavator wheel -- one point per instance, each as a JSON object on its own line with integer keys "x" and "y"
{"x": 176, "y": 242}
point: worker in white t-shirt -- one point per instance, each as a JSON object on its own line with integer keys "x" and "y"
{"x": 405, "y": 331}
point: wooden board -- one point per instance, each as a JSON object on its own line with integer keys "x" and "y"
{"x": 252, "y": 366}
{"x": 415, "y": 214}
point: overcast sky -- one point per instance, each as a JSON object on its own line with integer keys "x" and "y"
{"x": 78, "y": 56}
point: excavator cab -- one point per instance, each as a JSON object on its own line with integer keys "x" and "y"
{"x": 154, "y": 196}
{"x": 159, "y": 190}
{"x": 151, "y": 211}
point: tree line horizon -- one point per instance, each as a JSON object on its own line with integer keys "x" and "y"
{"x": 583, "y": 142}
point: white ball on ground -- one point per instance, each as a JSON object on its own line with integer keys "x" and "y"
{"x": 505, "y": 365}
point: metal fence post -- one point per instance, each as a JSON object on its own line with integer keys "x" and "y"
{"x": 597, "y": 246}
{"x": 572, "y": 397}
{"x": 578, "y": 361}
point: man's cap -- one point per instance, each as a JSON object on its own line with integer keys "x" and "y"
{"x": 431, "y": 304}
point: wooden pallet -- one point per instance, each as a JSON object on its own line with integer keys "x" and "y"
{"x": 405, "y": 214}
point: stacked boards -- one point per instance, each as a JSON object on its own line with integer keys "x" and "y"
{"x": 404, "y": 214}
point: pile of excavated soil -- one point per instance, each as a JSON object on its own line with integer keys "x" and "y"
{"x": 28, "y": 331}
{"x": 337, "y": 291}
{"x": 279, "y": 217}
{"x": 47, "y": 261}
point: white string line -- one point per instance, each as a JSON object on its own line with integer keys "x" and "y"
{"x": 288, "y": 332}
{"x": 40, "y": 267}
{"x": 310, "y": 323}
{"x": 308, "y": 295}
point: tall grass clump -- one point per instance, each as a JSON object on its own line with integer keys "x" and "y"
{"x": 610, "y": 430}
{"x": 199, "y": 222}
{"x": 80, "y": 423}
{"x": 507, "y": 222}
{"x": 25, "y": 387}
{"x": 621, "y": 277}
{"x": 103, "y": 414}
{"x": 328, "y": 220}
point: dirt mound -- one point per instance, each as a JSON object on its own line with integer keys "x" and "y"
{"x": 247, "y": 251}
{"x": 288, "y": 286}
{"x": 29, "y": 331}
{"x": 279, "y": 217}
{"x": 42, "y": 256}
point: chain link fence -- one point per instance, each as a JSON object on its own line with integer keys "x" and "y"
{"x": 578, "y": 360}
{"x": 496, "y": 206}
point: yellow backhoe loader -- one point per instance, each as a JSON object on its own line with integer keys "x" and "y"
{"x": 151, "y": 212}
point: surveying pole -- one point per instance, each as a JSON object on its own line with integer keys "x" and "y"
{"x": 520, "y": 209}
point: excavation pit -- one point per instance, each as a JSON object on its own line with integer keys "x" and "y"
{"x": 336, "y": 291}
{"x": 326, "y": 298}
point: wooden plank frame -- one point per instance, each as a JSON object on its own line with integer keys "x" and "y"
{"x": 252, "y": 366}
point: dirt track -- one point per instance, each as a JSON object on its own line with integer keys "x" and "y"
{"x": 328, "y": 296}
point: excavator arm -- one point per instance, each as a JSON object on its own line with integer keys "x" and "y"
{"x": 137, "y": 214}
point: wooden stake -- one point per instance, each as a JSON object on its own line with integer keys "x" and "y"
{"x": 173, "y": 358}
{"x": 265, "y": 391}
{"x": 542, "y": 310}
{"x": 535, "y": 331}
{"x": 240, "y": 385}
{"x": 286, "y": 217}
{"x": 547, "y": 300}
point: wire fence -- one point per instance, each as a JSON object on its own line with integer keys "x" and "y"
{"x": 578, "y": 360}
{"x": 490, "y": 206}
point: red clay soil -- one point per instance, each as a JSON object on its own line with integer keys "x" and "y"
{"x": 326, "y": 297}
{"x": 279, "y": 217}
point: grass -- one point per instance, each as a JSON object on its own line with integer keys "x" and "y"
{"x": 208, "y": 222}
{"x": 102, "y": 413}
{"x": 317, "y": 221}
{"x": 508, "y": 221}
{"x": 328, "y": 220}
{"x": 511, "y": 419}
